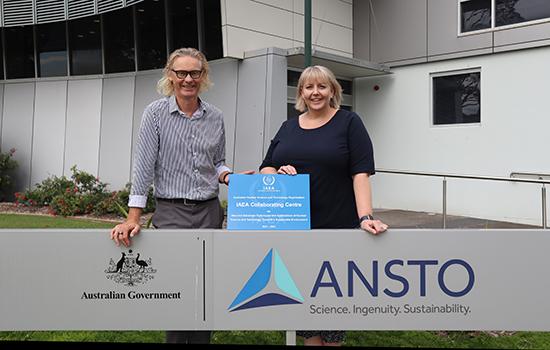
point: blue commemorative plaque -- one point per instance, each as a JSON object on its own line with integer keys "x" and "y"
{"x": 268, "y": 202}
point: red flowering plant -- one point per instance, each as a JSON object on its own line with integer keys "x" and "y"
{"x": 83, "y": 193}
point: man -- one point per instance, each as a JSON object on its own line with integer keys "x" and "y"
{"x": 181, "y": 149}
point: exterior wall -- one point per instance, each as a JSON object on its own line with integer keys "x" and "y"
{"x": 512, "y": 136}
{"x": 400, "y": 33}
{"x": 17, "y": 126}
{"x": 48, "y": 146}
{"x": 261, "y": 104}
{"x": 115, "y": 142}
{"x": 93, "y": 123}
{"x": 83, "y": 125}
{"x": 249, "y": 25}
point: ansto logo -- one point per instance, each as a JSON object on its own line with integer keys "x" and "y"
{"x": 271, "y": 284}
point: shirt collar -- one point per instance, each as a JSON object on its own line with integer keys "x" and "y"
{"x": 173, "y": 107}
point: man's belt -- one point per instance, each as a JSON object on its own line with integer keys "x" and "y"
{"x": 185, "y": 201}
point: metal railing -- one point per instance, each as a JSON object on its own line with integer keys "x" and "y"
{"x": 538, "y": 176}
{"x": 514, "y": 177}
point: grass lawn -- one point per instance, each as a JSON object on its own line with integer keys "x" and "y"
{"x": 517, "y": 340}
{"x": 41, "y": 221}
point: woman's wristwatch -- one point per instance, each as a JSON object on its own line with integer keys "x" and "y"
{"x": 225, "y": 177}
{"x": 366, "y": 217}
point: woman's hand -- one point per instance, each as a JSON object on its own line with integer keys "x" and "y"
{"x": 287, "y": 169}
{"x": 122, "y": 233}
{"x": 373, "y": 226}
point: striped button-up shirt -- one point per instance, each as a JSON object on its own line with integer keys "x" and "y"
{"x": 183, "y": 156}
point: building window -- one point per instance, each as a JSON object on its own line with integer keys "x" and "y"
{"x": 182, "y": 24}
{"x": 85, "y": 46}
{"x": 151, "y": 34}
{"x": 113, "y": 41}
{"x": 51, "y": 49}
{"x": 476, "y": 15}
{"x": 519, "y": 11}
{"x": 118, "y": 41}
{"x": 19, "y": 52}
{"x": 456, "y": 98}
{"x": 212, "y": 27}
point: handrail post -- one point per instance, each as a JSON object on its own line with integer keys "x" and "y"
{"x": 291, "y": 338}
{"x": 544, "y": 222}
{"x": 444, "y": 202}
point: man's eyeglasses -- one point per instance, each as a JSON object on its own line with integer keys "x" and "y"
{"x": 182, "y": 74}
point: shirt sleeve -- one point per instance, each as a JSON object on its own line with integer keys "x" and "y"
{"x": 219, "y": 156}
{"x": 360, "y": 147}
{"x": 268, "y": 160}
{"x": 145, "y": 159}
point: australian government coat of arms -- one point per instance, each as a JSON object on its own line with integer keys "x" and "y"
{"x": 130, "y": 269}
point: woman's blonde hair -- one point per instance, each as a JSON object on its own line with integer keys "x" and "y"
{"x": 319, "y": 74}
{"x": 164, "y": 85}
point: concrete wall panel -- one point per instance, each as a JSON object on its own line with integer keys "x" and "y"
{"x": 251, "y": 99}
{"x": 249, "y": 25}
{"x": 361, "y": 30}
{"x": 83, "y": 125}
{"x": 527, "y": 34}
{"x": 331, "y": 11}
{"x": 254, "y": 16}
{"x": 398, "y": 30}
{"x": 17, "y": 126}
{"x": 242, "y": 40}
{"x": 116, "y": 131}
{"x": 325, "y": 36}
{"x": 49, "y": 130}
{"x": 276, "y": 90}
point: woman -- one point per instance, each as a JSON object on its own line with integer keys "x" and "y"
{"x": 334, "y": 148}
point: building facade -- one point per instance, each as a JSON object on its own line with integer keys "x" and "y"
{"x": 435, "y": 49}
{"x": 466, "y": 93}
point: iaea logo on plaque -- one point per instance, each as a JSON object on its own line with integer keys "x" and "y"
{"x": 278, "y": 287}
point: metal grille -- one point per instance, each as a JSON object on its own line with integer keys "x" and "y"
{"x": 23, "y": 12}
{"x": 81, "y": 8}
{"x": 17, "y": 12}
{"x": 109, "y": 5}
{"x": 131, "y": 2}
{"x": 50, "y": 10}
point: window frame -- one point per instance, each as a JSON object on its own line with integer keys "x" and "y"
{"x": 431, "y": 96}
{"x": 493, "y": 27}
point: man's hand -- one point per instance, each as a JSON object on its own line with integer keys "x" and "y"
{"x": 224, "y": 177}
{"x": 122, "y": 233}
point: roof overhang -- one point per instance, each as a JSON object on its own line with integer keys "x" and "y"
{"x": 344, "y": 67}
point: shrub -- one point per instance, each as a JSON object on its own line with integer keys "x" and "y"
{"x": 83, "y": 193}
{"x": 7, "y": 165}
{"x": 45, "y": 191}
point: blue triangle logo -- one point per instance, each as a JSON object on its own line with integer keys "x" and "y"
{"x": 249, "y": 297}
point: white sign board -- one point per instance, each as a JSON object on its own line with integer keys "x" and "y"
{"x": 400, "y": 280}
{"x": 279, "y": 280}
{"x": 78, "y": 279}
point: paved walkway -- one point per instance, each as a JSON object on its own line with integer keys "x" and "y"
{"x": 415, "y": 219}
